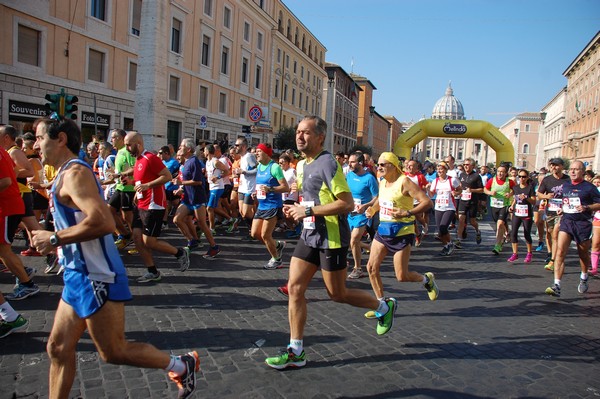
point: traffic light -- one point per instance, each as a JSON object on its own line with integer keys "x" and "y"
{"x": 71, "y": 107}
{"x": 54, "y": 103}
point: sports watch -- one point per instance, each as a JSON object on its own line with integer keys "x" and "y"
{"x": 54, "y": 240}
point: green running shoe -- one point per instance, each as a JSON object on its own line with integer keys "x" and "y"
{"x": 385, "y": 322}
{"x": 9, "y": 327}
{"x": 431, "y": 287}
{"x": 371, "y": 314}
{"x": 286, "y": 359}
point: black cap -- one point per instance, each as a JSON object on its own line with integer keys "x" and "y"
{"x": 557, "y": 161}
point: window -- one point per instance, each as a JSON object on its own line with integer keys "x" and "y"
{"x": 205, "y": 50}
{"x": 227, "y": 17}
{"x": 99, "y": 9}
{"x": 287, "y": 61}
{"x": 173, "y": 88}
{"x": 293, "y": 96}
{"x": 278, "y": 55}
{"x": 242, "y": 108}
{"x": 176, "y": 36}
{"x": 203, "y": 102}
{"x": 301, "y": 71}
{"x": 276, "y": 88}
{"x": 295, "y": 66}
{"x": 244, "y": 70}
{"x": 284, "y": 92}
{"x": 95, "y": 65}
{"x": 258, "y": 79}
{"x": 132, "y": 75}
{"x": 527, "y": 127}
{"x": 525, "y": 148}
{"x": 300, "y": 100}
{"x": 136, "y": 17}
{"x": 246, "y": 31}
{"x": 29, "y": 46}
{"x": 173, "y": 132}
{"x": 259, "y": 41}
{"x": 208, "y": 7}
{"x": 222, "y": 103}
{"x": 225, "y": 60}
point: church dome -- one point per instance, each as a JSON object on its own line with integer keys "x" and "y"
{"x": 448, "y": 107}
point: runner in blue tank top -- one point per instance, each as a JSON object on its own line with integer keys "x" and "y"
{"x": 95, "y": 280}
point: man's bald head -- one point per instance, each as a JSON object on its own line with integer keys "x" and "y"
{"x": 134, "y": 142}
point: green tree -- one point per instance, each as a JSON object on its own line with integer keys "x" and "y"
{"x": 362, "y": 148}
{"x": 285, "y": 139}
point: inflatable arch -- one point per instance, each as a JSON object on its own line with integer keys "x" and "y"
{"x": 464, "y": 129}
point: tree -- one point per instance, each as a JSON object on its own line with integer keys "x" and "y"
{"x": 362, "y": 148}
{"x": 286, "y": 139}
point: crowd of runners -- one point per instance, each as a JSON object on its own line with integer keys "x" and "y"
{"x": 80, "y": 205}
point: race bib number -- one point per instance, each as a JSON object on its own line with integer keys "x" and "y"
{"x": 570, "y": 204}
{"x": 309, "y": 221}
{"x": 386, "y": 208}
{"x": 521, "y": 210}
{"x": 236, "y": 181}
{"x": 466, "y": 196}
{"x": 261, "y": 192}
{"x": 357, "y": 204}
{"x": 442, "y": 201}
{"x": 554, "y": 204}
{"x": 496, "y": 202}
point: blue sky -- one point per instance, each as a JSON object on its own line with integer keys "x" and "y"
{"x": 503, "y": 57}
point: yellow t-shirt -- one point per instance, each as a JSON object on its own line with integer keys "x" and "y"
{"x": 391, "y": 200}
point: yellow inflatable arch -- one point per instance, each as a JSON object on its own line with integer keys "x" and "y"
{"x": 459, "y": 129}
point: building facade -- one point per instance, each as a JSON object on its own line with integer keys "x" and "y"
{"x": 582, "y": 119}
{"x": 523, "y": 131}
{"x": 552, "y": 131}
{"x": 170, "y": 70}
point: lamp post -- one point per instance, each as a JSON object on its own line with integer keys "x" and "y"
{"x": 329, "y": 109}
{"x": 371, "y": 112}
{"x": 516, "y": 146}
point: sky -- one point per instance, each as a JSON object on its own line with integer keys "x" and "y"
{"x": 502, "y": 57}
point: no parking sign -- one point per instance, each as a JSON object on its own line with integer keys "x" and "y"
{"x": 255, "y": 113}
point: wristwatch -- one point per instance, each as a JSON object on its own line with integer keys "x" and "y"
{"x": 408, "y": 213}
{"x": 54, "y": 240}
{"x": 308, "y": 211}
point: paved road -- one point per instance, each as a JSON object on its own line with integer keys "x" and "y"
{"x": 493, "y": 333}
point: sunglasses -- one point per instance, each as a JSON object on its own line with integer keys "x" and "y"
{"x": 383, "y": 165}
{"x": 237, "y": 145}
{"x": 523, "y": 177}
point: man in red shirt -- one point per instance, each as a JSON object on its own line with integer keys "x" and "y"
{"x": 11, "y": 212}
{"x": 149, "y": 177}
{"x": 12, "y": 209}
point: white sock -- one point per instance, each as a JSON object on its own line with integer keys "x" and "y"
{"x": 382, "y": 309}
{"x": 584, "y": 276}
{"x": 297, "y": 346}
{"x": 425, "y": 279}
{"x": 557, "y": 282}
{"x": 176, "y": 365}
{"x": 7, "y": 313}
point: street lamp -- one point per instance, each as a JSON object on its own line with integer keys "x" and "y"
{"x": 329, "y": 110}
{"x": 516, "y": 146}
{"x": 371, "y": 112}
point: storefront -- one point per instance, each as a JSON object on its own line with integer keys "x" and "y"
{"x": 21, "y": 115}
{"x": 89, "y": 128}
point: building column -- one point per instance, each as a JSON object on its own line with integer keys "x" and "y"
{"x": 151, "y": 85}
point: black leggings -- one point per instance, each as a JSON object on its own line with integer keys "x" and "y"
{"x": 516, "y": 223}
{"x": 443, "y": 219}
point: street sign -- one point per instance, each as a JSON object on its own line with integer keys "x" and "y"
{"x": 255, "y": 113}
{"x": 203, "y": 120}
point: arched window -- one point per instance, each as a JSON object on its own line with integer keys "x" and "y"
{"x": 525, "y": 148}
{"x": 280, "y": 22}
{"x": 289, "y": 30}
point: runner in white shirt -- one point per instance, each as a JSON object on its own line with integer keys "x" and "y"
{"x": 445, "y": 188}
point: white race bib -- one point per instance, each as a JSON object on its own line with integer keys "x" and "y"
{"x": 357, "y": 204}
{"x": 466, "y": 196}
{"x": 442, "y": 200}
{"x": 570, "y": 204}
{"x": 309, "y": 221}
{"x": 521, "y": 210}
{"x": 261, "y": 192}
{"x": 496, "y": 202}
{"x": 554, "y": 204}
{"x": 385, "y": 210}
